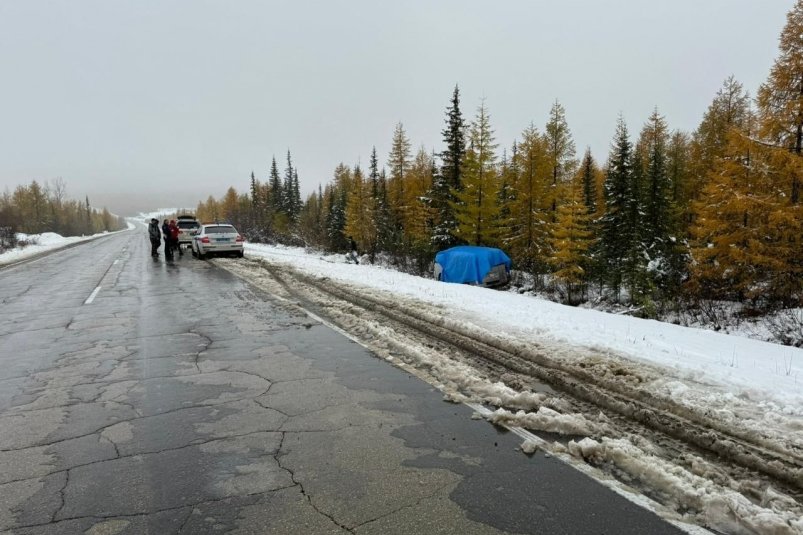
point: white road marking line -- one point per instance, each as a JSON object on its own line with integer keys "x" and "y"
{"x": 92, "y": 296}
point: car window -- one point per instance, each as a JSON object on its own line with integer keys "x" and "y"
{"x": 188, "y": 224}
{"x": 220, "y": 229}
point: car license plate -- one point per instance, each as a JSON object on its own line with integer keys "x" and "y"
{"x": 224, "y": 239}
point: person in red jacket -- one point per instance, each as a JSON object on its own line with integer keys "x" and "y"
{"x": 174, "y": 236}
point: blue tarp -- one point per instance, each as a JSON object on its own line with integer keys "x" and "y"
{"x": 469, "y": 263}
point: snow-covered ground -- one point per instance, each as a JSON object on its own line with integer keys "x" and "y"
{"x": 747, "y": 386}
{"x": 732, "y": 365}
{"x": 40, "y": 243}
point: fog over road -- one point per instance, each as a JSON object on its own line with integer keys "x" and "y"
{"x": 141, "y": 396}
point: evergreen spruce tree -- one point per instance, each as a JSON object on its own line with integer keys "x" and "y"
{"x": 336, "y": 217}
{"x": 453, "y": 137}
{"x": 296, "y": 195}
{"x": 448, "y": 179}
{"x": 636, "y": 278}
{"x": 657, "y": 219}
{"x": 376, "y": 206}
{"x": 658, "y": 189}
{"x": 389, "y": 230}
{"x": 88, "y": 226}
{"x": 254, "y": 191}
{"x": 276, "y": 198}
{"x": 616, "y": 232}
{"x": 254, "y": 232}
{"x": 288, "y": 190}
{"x": 679, "y": 177}
{"x": 589, "y": 180}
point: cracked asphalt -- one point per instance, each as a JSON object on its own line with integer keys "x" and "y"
{"x": 181, "y": 400}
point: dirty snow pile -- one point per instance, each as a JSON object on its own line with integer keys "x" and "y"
{"x": 751, "y": 386}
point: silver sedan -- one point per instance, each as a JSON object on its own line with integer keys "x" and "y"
{"x": 217, "y": 239}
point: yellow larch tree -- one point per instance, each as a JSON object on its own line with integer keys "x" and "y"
{"x": 359, "y": 220}
{"x": 419, "y": 214}
{"x": 399, "y": 167}
{"x": 527, "y": 241}
{"x": 571, "y": 241}
{"x": 747, "y": 234}
{"x": 476, "y": 208}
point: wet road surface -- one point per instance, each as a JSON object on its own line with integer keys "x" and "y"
{"x": 141, "y": 396}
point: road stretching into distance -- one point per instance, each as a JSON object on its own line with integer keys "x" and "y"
{"x": 139, "y": 395}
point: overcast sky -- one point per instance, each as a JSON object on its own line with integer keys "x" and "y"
{"x": 155, "y": 103}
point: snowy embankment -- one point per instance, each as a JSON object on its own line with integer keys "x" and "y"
{"x": 747, "y": 387}
{"x": 41, "y": 243}
{"x": 721, "y": 365}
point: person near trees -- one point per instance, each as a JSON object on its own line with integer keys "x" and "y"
{"x": 353, "y": 250}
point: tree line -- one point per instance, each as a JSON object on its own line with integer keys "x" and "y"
{"x": 37, "y": 208}
{"x": 669, "y": 217}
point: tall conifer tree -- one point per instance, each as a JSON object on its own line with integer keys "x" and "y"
{"x": 399, "y": 166}
{"x": 780, "y": 98}
{"x": 477, "y": 207}
{"x": 275, "y": 190}
{"x": 616, "y": 232}
{"x": 589, "y": 181}
{"x": 570, "y": 243}
{"x": 448, "y": 179}
{"x": 528, "y": 232}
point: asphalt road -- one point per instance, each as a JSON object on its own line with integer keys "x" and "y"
{"x": 145, "y": 396}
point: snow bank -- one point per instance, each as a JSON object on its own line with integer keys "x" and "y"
{"x": 699, "y": 366}
{"x": 39, "y": 243}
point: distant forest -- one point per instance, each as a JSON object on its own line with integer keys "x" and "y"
{"x": 669, "y": 219}
{"x": 38, "y": 208}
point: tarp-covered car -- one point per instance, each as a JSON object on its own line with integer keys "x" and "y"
{"x": 469, "y": 264}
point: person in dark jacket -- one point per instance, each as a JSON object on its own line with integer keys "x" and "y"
{"x": 155, "y": 236}
{"x": 353, "y": 254}
{"x": 168, "y": 240}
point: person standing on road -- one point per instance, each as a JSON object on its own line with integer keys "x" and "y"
{"x": 174, "y": 236}
{"x": 155, "y": 236}
{"x": 168, "y": 240}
